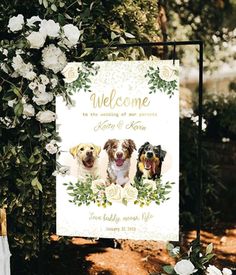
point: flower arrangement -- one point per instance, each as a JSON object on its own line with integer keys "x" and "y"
{"x": 163, "y": 79}
{"x": 98, "y": 191}
{"x": 34, "y": 65}
{"x": 194, "y": 261}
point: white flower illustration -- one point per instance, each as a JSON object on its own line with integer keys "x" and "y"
{"x": 114, "y": 193}
{"x": 167, "y": 72}
{"x": 70, "y": 72}
{"x": 130, "y": 193}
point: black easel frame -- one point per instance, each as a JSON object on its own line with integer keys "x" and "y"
{"x": 198, "y": 43}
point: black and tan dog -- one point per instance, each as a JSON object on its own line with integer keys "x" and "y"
{"x": 150, "y": 160}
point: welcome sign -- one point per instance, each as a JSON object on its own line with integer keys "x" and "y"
{"x": 119, "y": 163}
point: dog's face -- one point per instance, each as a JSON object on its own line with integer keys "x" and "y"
{"x": 119, "y": 150}
{"x": 151, "y": 157}
{"x": 86, "y": 153}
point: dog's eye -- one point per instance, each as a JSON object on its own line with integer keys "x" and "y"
{"x": 91, "y": 148}
{"x": 114, "y": 147}
{"x": 155, "y": 149}
{"x": 82, "y": 149}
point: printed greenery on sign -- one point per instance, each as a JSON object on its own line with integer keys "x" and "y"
{"x": 162, "y": 79}
{"x": 97, "y": 191}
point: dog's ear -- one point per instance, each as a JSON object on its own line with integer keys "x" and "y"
{"x": 74, "y": 150}
{"x": 162, "y": 153}
{"x": 107, "y": 144}
{"x": 97, "y": 148}
{"x": 131, "y": 144}
{"x": 140, "y": 150}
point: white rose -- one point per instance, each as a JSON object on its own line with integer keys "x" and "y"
{"x": 29, "y": 74}
{"x": 53, "y": 82}
{"x": 130, "y": 193}
{"x": 114, "y": 193}
{"x": 43, "y": 98}
{"x": 16, "y": 23}
{"x": 184, "y": 267}
{"x": 32, "y": 20}
{"x": 49, "y": 28}
{"x": 17, "y": 63}
{"x": 33, "y": 85}
{"x": 46, "y": 116}
{"x": 97, "y": 184}
{"x": 167, "y": 72}
{"x": 151, "y": 184}
{"x": 227, "y": 271}
{"x": 44, "y": 79}
{"x": 70, "y": 72}
{"x": 28, "y": 110}
{"x": 41, "y": 89}
{"x": 12, "y": 102}
{"x": 72, "y": 35}
{"x": 212, "y": 270}
{"x": 36, "y": 40}
{"x": 51, "y": 148}
{"x": 23, "y": 69}
{"x": 53, "y": 58}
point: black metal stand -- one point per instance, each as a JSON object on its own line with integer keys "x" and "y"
{"x": 199, "y": 43}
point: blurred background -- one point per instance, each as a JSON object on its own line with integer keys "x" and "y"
{"x": 126, "y": 21}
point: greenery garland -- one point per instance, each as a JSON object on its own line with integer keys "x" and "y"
{"x": 142, "y": 193}
{"x": 162, "y": 79}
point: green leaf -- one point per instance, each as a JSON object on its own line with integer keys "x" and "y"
{"x": 209, "y": 248}
{"x": 168, "y": 269}
{"x": 129, "y": 35}
{"x": 18, "y": 109}
{"x": 45, "y": 3}
{"x": 122, "y": 40}
{"x": 113, "y": 36}
{"x": 54, "y": 7}
{"x": 35, "y": 183}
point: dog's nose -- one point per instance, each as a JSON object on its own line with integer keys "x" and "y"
{"x": 89, "y": 153}
{"x": 119, "y": 155}
{"x": 149, "y": 154}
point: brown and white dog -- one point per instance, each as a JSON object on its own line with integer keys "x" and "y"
{"x": 150, "y": 160}
{"x": 86, "y": 155}
{"x": 119, "y": 154}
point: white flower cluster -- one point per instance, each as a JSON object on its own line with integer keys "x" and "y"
{"x": 37, "y": 31}
{"x": 69, "y": 34}
{"x": 185, "y": 267}
{"x": 213, "y": 270}
{"x": 114, "y": 192}
{"x": 51, "y": 147}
